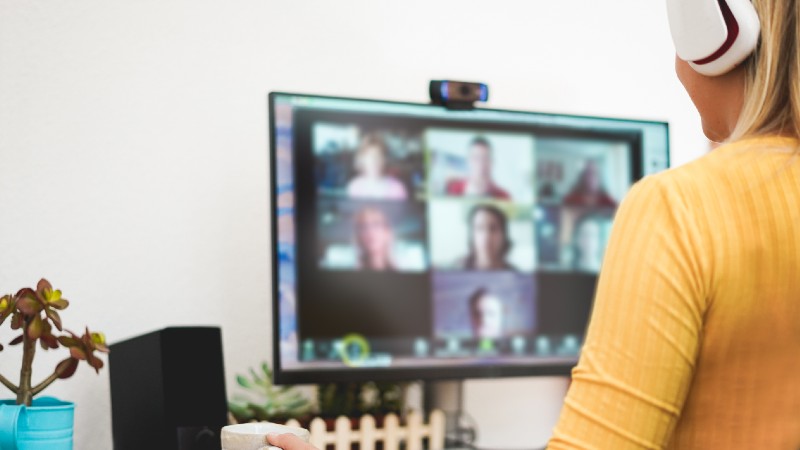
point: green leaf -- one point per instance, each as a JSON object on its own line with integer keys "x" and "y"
{"x": 55, "y": 295}
{"x": 294, "y": 397}
{"x": 260, "y": 412}
{"x": 256, "y": 379}
{"x": 297, "y": 404}
{"x": 243, "y": 382}
{"x": 239, "y": 399}
{"x": 241, "y": 412}
{"x": 267, "y": 371}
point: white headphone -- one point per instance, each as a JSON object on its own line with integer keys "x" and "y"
{"x": 713, "y": 36}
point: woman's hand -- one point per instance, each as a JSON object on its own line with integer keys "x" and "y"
{"x": 289, "y": 441}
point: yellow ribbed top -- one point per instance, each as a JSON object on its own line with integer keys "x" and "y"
{"x": 694, "y": 341}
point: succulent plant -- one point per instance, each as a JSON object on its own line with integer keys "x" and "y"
{"x": 262, "y": 400}
{"x": 36, "y": 313}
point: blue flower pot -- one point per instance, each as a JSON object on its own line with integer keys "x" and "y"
{"x": 47, "y": 424}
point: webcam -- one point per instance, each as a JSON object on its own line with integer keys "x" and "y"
{"x": 458, "y": 94}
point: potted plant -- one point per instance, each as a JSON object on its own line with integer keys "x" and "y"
{"x": 263, "y": 401}
{"x": 25, "y": 422}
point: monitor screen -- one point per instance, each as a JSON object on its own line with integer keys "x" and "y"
{"x": 416, "y": 242}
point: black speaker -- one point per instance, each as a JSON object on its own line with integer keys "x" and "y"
{"x": 168, "y": 390}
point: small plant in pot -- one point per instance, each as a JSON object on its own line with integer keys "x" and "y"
{"x": 34, "y": 313}
{"x": 263, "y": 401}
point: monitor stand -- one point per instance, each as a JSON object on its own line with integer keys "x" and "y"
{"x": 508, "y": 413}
{"x": 448, "y": 396}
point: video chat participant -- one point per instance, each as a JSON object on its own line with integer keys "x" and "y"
{"x": 372, "y": 181}
{"x": 486, "y": 314}
{"x": 694, "y": 334}
{"x": 587, "y": 241}
{"x": 479, "y": 181}
{"x": 588, "y": 189}
{"x": 374, "y": 239}
{"x": 488, "y": 243}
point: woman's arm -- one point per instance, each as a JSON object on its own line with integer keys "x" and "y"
{"x": 638, "y": 359}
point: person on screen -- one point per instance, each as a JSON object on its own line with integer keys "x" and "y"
{"x": 374, "y": 239}
{"x": 588, "y": 242}
{"x": 372, "y": 181}
{"x": 588, "y": 189}
{"x": 488, "y": 242}
{"x": 486, "y": 314}
{"x": 479, "y": 182}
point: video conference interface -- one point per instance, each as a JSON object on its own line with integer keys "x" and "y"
{"x": 412, "y": 235}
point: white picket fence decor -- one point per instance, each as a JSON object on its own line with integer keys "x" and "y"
{"x": 392, "y": 434}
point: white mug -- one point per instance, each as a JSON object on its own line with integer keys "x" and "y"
{"x": 253, "y": 436}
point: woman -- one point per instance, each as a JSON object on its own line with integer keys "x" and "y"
{"x": 487, "y": 241}
{"x": 588, "y": 241}
{"x": 374, "y": 239}
{"x": 588, "y": 189}
{"x": 372, "y": 181}
{"x": 694, "y": 339}
{"x": 695, "y": 331}
{"x": 486, "y": 314}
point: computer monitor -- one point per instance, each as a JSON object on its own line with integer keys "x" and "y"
{"x": 415, "y": 242}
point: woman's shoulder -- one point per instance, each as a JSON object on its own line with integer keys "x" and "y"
{"x": 726, "y": 169}
{"x": 665, "y": 193}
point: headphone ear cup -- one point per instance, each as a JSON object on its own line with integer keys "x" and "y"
{"x": 697, "y": 26}
{"x": 714, "y": 36}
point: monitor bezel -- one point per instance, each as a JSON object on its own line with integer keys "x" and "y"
{"x": 348, "y": 374}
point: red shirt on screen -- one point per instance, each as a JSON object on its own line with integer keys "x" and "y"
{"x": 459, "y": 187}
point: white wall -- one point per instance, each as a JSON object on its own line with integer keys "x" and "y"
{"x": 133, "y": 141}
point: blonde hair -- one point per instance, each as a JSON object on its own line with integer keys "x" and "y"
{"x": 772, "y": 74}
